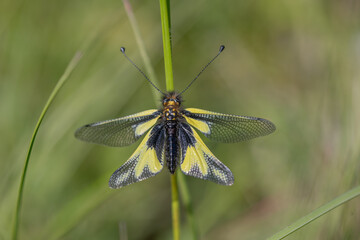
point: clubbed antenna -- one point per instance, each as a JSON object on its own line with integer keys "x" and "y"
{"x": 222, "y": 47}
{"x": 122, "y": 49}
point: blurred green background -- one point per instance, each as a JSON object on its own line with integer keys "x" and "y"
{"x": 295, "y": 63}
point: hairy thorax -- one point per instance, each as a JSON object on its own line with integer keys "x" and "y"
{"x": 171, "y": 107}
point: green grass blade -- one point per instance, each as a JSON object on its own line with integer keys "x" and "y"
{"x": 355, "y": 192}
{"x": 166, "y": 30}
{"x": 140, "y": 43}
{"x": 169, "y": 79}
{"x": 186, "y": 199}
{"x": 175, "y": 207}
{"x": 73, "y": 63}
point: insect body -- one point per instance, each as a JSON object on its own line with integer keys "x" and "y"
{"x": 171, "y": 116}
{"x": 172, "y": 141}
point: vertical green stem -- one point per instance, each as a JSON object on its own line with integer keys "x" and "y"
{"x": 175, "y": 207}
{"x": 148, "y": 67}
{"x": 165, "y": 24}
{"x": 58, "y": 86}
{"x": 166, "y": 33}
{"x": 186, "y": 199}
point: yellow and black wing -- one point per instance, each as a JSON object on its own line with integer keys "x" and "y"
{"x": 227, "y": 128}
{"x": 146, "y": 161}
{"x": 197, "y": 160}
{"x": 119, "y": 132}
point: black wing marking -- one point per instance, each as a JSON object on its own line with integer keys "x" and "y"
{"x": 146, "y": 161}
{"x": 227, "y": 128}
{"x": 118, "y": 132}
{"x": 197, "y": 160}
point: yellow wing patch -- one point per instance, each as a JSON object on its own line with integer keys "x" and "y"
{"x": 143, "y": 164}
{"x": 142, "y": 128}
{"x": 189, "y": 163}
{"x": 202, "y": 126}
{"x": 147, "y": 158}
{"x": 201, "y": 111}
{"x": 198, "y": 124}
{"x": 201, "y": 163}
{"x": 141, "y": 114}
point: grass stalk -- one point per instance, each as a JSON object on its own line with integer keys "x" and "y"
{"x": 186, "y": 199}
{"x": 169, "y": 79}
{"x": 73, "y": 63}
{"x": 175, "y": 207}
{"x": 166, "y": 33}
{"x": 140, "y": 43}
{"x": 355, "y": 192}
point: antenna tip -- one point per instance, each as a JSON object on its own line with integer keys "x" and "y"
{"x": 222, "y": 47}
{"x": 122, "y": 49}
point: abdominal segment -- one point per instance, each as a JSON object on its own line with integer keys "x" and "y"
{"x": 171, "y": 145}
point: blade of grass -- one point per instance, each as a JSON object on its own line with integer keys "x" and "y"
{"x": 141, "y": 45}
{"x": 185, "y": 196}
{"x": 175, "y": 207}
{"x": 165, "y": 26}
{"x": 73, "y": 63}
{"x": 355, "y": 192}
{"x": 166, "y": 33}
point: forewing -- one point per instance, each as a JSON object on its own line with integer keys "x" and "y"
{"x": 227, "y": 128}
{"x": 118, "y": 132}
{"x": 197, "y": 160}
{"x": 146, "y": 161}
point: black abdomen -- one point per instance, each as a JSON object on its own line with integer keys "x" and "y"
{"x": 171, "y": 145}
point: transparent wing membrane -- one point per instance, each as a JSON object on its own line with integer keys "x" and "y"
{"x": 118, "y": 132}
{"x": 227, "y": 128}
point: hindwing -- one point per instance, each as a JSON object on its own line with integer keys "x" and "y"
{"x": 146, "y": 161}
{"x": 197, "y": 160}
